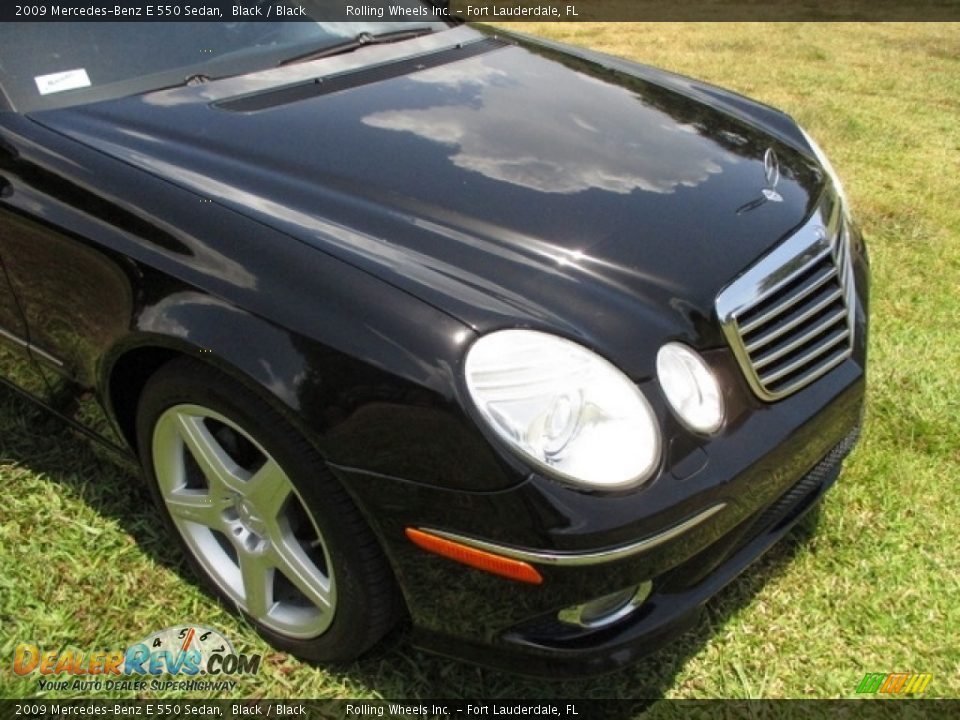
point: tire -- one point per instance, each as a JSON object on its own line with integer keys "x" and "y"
{"x": 261, "y": 519}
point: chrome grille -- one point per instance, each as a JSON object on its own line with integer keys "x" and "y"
{"x": 789, "y": 319}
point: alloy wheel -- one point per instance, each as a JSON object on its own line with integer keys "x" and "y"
{"x": 244, "y": 521}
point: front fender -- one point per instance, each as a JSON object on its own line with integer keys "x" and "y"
{"x": 375, "y": 408}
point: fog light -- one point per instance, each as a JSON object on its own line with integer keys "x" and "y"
{"x": 690, "y": 387}
{"x": 608, "y": 609}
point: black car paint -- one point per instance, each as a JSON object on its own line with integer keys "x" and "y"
{"x": 574, "y": 248}
{"x": 343, "y": 266}
{"x": 194, "y": 286}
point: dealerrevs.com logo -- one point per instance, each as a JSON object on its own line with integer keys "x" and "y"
{"x": 184, "y": 651}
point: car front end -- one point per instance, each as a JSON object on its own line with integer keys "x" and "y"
{"x": 620, "y": 571}
{"x": 747, "y": 408}
{"x": 644, "y": 319}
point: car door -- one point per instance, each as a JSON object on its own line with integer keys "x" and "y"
{"x": 17, "y": 365}
{"x": 62, "y": 299}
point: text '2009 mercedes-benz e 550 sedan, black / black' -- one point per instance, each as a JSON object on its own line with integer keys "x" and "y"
{"x": 531, "y": 348}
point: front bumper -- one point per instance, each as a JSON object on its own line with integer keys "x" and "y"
{"x": 550, "y": 647}
{"x": 466, "y": 614}
{"x": 544, "y": 646}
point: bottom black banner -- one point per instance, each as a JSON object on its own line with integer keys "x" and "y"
{"x": 501, "y": 709}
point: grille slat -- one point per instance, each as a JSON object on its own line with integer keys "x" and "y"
{"x": 794, "y": 343}
{"x": 779, "y": 286}
{"x": 818, "y": 371}
{"x": 797, "y": 317}
{"x": 823, "y": 276}
{"x": 813, "y": 354}
{"x": 790, "y": 317}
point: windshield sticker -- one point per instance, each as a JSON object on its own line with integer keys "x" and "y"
{"x": 58, "y": 82}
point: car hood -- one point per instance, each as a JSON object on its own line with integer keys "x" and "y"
{"x": 516, "y": 186}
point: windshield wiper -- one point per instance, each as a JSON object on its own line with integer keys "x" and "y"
{"x": 361, "y": 40}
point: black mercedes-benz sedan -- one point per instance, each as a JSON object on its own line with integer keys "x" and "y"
{"x": 529, "y": 348}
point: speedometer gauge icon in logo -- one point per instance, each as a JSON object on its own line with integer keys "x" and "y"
{"x": 188, "y": 649}
{"x": 202, "y": 647}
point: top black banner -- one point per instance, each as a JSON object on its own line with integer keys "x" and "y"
{"x": 492, "y": 11}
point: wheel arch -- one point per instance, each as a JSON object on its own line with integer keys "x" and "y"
{"x": 126, "y": 380}
{"x": 214, "y": 333}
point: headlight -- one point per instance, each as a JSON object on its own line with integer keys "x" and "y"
{"x": 828, "y": 166}
{"x": 690, "y": 387}
{"x": 563, "y": 407}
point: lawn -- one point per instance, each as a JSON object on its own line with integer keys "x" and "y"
{"x": 870, "y": 583}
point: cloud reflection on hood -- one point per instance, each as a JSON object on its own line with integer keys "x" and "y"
{"x": 583, "y": 148}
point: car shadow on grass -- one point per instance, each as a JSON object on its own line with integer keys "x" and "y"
{"x": 44, "y": 444}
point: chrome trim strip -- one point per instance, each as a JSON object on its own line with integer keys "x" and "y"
{"x": 29, "y": 347}
{"x": 14, "y": 338}
{"x": 574, "y": 615}
{"x": 44, "y": 355}
{"x": 545, "y": 557}
{"x": 845, "y": 264}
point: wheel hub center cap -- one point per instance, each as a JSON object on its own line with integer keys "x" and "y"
{"x": 250, "y": 518}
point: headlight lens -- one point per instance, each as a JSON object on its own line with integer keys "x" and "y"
{"x": 565, "y": 408}
{"x": 828, "y": 166}
{"x": 691, "y": 387}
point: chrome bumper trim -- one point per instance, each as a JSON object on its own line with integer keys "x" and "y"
{"x": 544, "y": 557}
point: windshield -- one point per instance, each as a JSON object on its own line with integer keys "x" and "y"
{"x": 56, "y": 64}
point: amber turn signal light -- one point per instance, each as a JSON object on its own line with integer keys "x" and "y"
{"x": 480, "y": 559}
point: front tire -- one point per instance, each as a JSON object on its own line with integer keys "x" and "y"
{"x": 260, "y": 517}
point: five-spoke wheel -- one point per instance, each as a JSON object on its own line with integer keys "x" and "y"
{"x": 262, "y": 519}
{"x": 240, "y": 514}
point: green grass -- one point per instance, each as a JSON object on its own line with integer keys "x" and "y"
{"x": 870, "y": 584}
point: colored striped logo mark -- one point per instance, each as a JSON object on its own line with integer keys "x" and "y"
{"x": 902, "y": 683}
